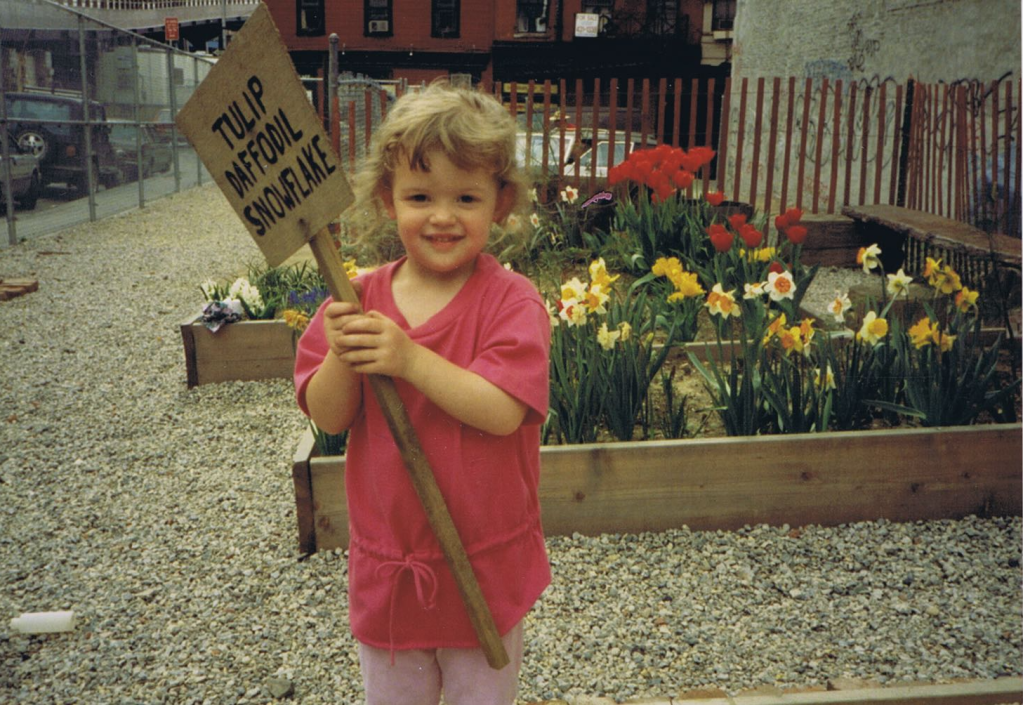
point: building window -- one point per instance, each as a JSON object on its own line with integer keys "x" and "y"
{"x": 310, "y": 18}
{"x": 379, "y": 18}
{"x": 532, "y": 15}
{"x": 445, "y": 18}
{"x": 724, "y": 15}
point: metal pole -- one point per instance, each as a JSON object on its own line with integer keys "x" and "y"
{"x": 223, "y": 26}
{"x": 173, "y": 112}
{"x": 90, "y": 177}
{"x": 195, "y": 84}
{"x": 332, "y": 69}
{"x": 12, "y": 233}
{"x": 136, "y": 112}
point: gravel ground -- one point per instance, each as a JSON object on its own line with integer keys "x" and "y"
{"x": 164, "y": 517}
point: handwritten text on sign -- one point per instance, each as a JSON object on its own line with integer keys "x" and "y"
{"x": 255, "y": 130}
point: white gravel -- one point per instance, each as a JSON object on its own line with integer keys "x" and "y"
{"x": 164, "y": 517}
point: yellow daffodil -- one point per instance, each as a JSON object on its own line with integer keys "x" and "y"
{"x": 873, "y": 329}
{"x": 607, "y": 338}
{"x": 599, "y": 275}
{"x": 942, "y": 277}
{"x": 625, "y": 329}
{"x": 753, "y": 291}
{"x": 838, "y": 307}
{"x": 780, "y": 285}
{"x": 722, "y": 303}
{"x": 686, "y": 283}
{"x": 825, "y": 382}
{"x": 595, "y": 298}
{"x": 296, "y": 320}
{"x": 945, "y": 342}
{"x": 778, "y": 324}
{"x": 573, "y": 289}
{"x": 922, "y": 333}
{"x": 966, "y": 299}
{"x": 899, "y": 282}
{"x": 869, "y": 257}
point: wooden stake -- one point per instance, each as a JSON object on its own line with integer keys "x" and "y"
{"x": 333, "y": 271}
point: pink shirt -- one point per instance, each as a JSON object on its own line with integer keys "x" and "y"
{"x": 401, "y": 592}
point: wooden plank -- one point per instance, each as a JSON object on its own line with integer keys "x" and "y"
{"x": 790, "y": 112}
{"x": 771, "y": 145}
{"x": 662, "y": 90}
{"x": 304, "y": 494}
{"x": 819, "y": 153}
{"x": 865, "y": 144}
{"x": 562, "y": 119}
{"x": 546, "y": 125}
{"x": 676, "y": 121}
{"x": 728, "y": 483}
{"x": 805, "y": 128}
{"x": 708, "y": 139}
{"x": 849, "y": 144}
{"x": 741, "y": 129}
{"x": 941, "y": 232}
{"x": 612, "y": 127}
{"x": 726, "y": 120}
{"x": 330, "y": 504}
{"x": 351, "y": 136}
{"x": 578, "y": 125}
{"x": 188, "y": 341}
{"x": 944, "y": 198}
{"x": 896, "y": 142}
{"x": 981, "y": 692}
{"x": 245, "y": 351}
{"x": 879, "y": 153}
{"x": 595, "y": 121}
{"x": 836, "y": 145}
{"x": 757, "y": 129}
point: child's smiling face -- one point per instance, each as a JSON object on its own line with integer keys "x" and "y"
{"x": 444, "y": 214}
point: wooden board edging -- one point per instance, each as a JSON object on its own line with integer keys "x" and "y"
{"x": 826, "y": 479}
{"x": 242, "y": 351}
{"x": 995, "y": 691}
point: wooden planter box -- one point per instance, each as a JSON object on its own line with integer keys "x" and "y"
{"x": 726, "y": 483}
{"x": 244, "y": 351}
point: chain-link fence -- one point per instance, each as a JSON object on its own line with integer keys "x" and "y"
{"x": 87, "y": 120}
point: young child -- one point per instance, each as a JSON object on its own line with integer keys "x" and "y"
{"x": 467, "y": 344}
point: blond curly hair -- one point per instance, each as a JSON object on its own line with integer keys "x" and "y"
{"x": 469, "y": 127}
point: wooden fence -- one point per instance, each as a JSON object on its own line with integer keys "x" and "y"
{"x": 947, "y": 149}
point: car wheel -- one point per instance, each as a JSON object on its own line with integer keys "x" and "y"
{"x": 33, "y": 142}
{"x": 28, "y": 201}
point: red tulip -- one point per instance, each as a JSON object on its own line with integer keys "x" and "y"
{"x": 737, "y": 221}
{"x": 720, "y": 237}
{"x": 751, "y": 236}
{"x": 796, "y": 234}
{"x": 715, "y": 198}
{"x": 776, "y": 267}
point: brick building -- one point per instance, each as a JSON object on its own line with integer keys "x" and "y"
{"x": 506, "y": 40}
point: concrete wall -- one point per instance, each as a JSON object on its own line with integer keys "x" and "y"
{"x": 929, "y": 40}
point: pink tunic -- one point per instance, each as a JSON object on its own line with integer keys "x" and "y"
{"x": 401, "y": 592}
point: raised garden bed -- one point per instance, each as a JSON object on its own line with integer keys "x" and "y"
{"x": 243, "y": 351}
{"x": 725, "y": 483}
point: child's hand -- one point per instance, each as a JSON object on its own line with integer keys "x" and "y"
{"x": 369, "y": 343}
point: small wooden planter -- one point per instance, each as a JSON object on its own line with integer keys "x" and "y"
{"x": 726, "y": 483}
{"x": 243, "y": 351}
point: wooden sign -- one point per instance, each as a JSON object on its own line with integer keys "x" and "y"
{"x": 171, "y": 29}
{"x": 258, "y": 135}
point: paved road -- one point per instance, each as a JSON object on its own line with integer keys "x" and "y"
{"x": 61, "y": 207}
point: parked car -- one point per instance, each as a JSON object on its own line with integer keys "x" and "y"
{"x": 603, "y": 148}
{"x": 26, "y": 178}
{"x": 127, "y": 138}
{"x": 532, "y": 159}
{"x": 60, "y": 145}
